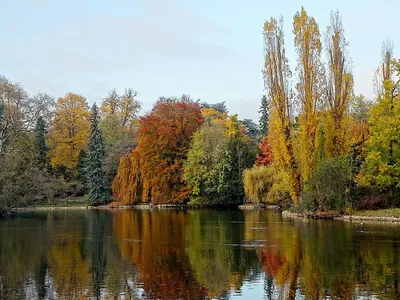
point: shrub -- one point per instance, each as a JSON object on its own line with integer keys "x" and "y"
{"x": 370, "y": 198}
{"x": 328, "y": 188}
{"x": 265, "y": 185}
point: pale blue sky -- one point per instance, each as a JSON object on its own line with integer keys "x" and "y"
{"x": 210, "y": 49}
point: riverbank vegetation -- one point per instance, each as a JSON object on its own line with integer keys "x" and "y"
{"x": 318, "y": 146}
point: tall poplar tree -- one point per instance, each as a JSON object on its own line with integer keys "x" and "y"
{"x": 309, "y": 70}
{"x": 94, "y": 173}
{"x": 339, "y": 87}
{"x": 277, "y": 85}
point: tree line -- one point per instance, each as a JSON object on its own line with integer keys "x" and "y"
{"x": 331, "y": 149}
{"x": 317, "y": 144}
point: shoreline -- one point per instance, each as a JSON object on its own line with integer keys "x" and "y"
{"x": 285, "y": 213}
{"x": 143, "y": 206}
{"x": 341, "y": 217}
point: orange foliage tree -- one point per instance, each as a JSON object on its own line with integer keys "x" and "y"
{"x": 265, "y": 158}
{"x": 154, "y": 171}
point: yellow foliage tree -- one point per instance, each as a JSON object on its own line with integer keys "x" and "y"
{"x": 339, "y": 88}
{"x": 70, "y": 130}
{"x": 276, "y": 81}
{"x": 308, "y": 46}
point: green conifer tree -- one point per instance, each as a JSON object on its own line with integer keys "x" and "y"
{"x": 80, "y": 174}
{"x": 98, "y": 194}
{"x": 264, "y": 116}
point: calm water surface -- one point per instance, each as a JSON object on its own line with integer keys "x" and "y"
{"x": 194, "y": 254}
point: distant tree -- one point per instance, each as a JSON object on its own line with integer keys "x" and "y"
{"x": 264, "y": 115}
{"x": 111, "y": 104}
{"x": 119, "y": 116}
{"x": 129, "y": 107}
{"x": 40, "y": 143}
{"x": 94, "y": 172}
{"x": 219, "y": 107}
{"x": 69, "y": 132}
{"x": 360, "y": 107}
{"x": 251, "y": 128}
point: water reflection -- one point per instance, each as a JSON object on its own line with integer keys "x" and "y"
{"x": 195, "y": 254}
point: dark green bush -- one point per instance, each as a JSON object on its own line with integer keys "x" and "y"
{"x": 328, "y": 188}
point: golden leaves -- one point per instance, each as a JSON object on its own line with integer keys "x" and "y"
{"x": 70, "y": 130}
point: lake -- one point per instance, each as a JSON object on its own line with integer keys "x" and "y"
{"x": 194, "y": 254}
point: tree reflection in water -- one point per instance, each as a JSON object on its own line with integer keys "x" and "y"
{"x": 193, "y": 254}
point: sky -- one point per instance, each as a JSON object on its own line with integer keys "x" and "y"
{"x": 209, "y": 49}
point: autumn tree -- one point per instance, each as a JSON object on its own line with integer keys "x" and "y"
{"x": 129, "y": 107}
{"x": 359, "y": 131}
{"x": 120, "y": 115}
{"x": 95, "y": 153}
{"x": 308, "y": 47}
{"x": 264, "y": 115}
{"x": 264, "y": 157}
{"x": 118, "y": 125}
{"x": 69, "y": 132}
{"x": 339, "y": 87}
{"x": 164, "y": 140}
{"x": 207, "y": 164}
{"x": 276, "y": 81}
{"x": 382, "y": 163}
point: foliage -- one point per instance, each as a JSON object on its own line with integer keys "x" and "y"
{"x": 69, "y": 132}
{"x": 264, "y": 158}
{"x": 218, "y": 107}
{"x": 120, "y": 149}
{"x": 241, "y": 155}
{"x": 97, "y": 192}
{"x": 123, "y": 109}
{"x": 164, "y": 140}
{"x": 251, "y": 128}
{"x": 339, "y": 85}
{"x": 40, "y": 143}
{"x": 206, "y": 165}
{"x": 360, "y": 107}
{"x": 277, "y": 85}
{"x": 127, "y": 185}
{"x": 382, "y": 165}
{"x": 308, "y": 46}
{"x": 328, "y": 188}
{"x": 265, "y": 185}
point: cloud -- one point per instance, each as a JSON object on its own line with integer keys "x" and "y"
{"x": 156, "y": 32}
